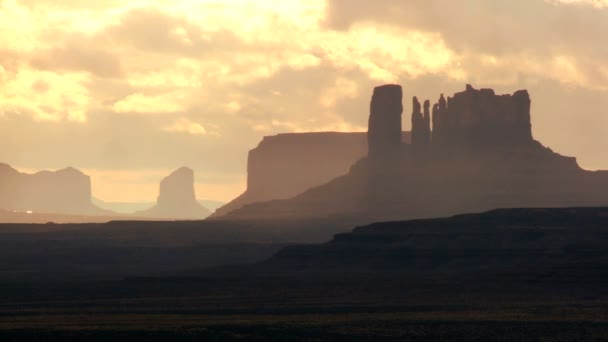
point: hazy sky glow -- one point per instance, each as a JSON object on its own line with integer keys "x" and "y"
{"x": 128, "y": 91}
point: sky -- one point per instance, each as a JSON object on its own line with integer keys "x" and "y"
{"x": 128, "y": 91}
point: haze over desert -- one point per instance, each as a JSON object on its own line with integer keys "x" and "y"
{"x": 303, "y": 170}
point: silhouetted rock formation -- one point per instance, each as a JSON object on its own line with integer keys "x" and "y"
{"x": 177, "y": 199}
{"x": 482, "y": 156}
{"x": 177, "y": 188}
{"x": 426, "y": 124}
{"x": 285, "y": 165}
{"x": 475, "y": 117}
{"x": 384, "y": 131}
{"x": 421, "y": 124}
{"x": 65, "y": 191}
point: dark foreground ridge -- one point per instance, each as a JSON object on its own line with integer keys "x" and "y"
{"x": 555, "y": 243}
{"x": 509, "y": 274}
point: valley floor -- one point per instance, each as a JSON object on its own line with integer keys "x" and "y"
{"x": 516, "y": 274}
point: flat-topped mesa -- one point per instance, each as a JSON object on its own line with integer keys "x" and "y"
{"x": 66, "y": 191}
{"x": 480, "y": 118}
{"x": 384, "y": 130}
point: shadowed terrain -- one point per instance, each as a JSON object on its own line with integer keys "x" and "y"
{"x": 533, "y": 274}
{"x": 83, "y": 252}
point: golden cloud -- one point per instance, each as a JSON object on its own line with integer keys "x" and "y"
{"x": 172, "y": 102}
{"x": 184, "y": 125}
{"x": 45, "y": 95}
{"x": 181, "y": 48}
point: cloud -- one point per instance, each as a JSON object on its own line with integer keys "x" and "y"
{"x": 44, "y": 95}
{"x": 184, "y": 125}
{"x": 343, "y": 88}
{"x": 76, "y": 57}
{"x": 509, "y": 31}
{"x": 172, "y": 102}
{"x": 171, "y": 53}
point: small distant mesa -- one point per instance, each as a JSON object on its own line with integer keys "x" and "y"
{"x": 65, "y": 196}
{"x": 65, "y": 191}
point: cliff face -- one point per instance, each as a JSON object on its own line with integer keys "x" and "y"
{"x": 177, "y": 199}
{"x": 177, "y": 188}
{"x": 421, "y": 123}
{"x": 285, "y": 165}
{"x": 480, "y": 156}
{"x": 474, "y": 117}
{"x": 384, "y": 131}
{"x": 65, "y": 191}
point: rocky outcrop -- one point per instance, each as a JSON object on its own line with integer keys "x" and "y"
{"x": 384, "y": 131}
{"x": 476, "y": 117}
{"x": 426, "y": 124}
{"x": 482, "y": 156}
{"x": 177, "y": 199}
{"x": 66, "y": 191}
{"x": 421, "y": 123}
{"x": 177, "y": 188}
{"x": 285, "y": 165}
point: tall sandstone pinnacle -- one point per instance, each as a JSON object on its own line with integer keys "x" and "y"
{"x": 421, "y": 124}
{"x": 384, "y": 132}
{"x": 426, "y": 123}
{"x": 417, "y": 119}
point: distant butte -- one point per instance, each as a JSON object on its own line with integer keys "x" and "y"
{"x": 177, "y": 199}
{"x": 66, "y": 191}
{"x": 478, "y": 155}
